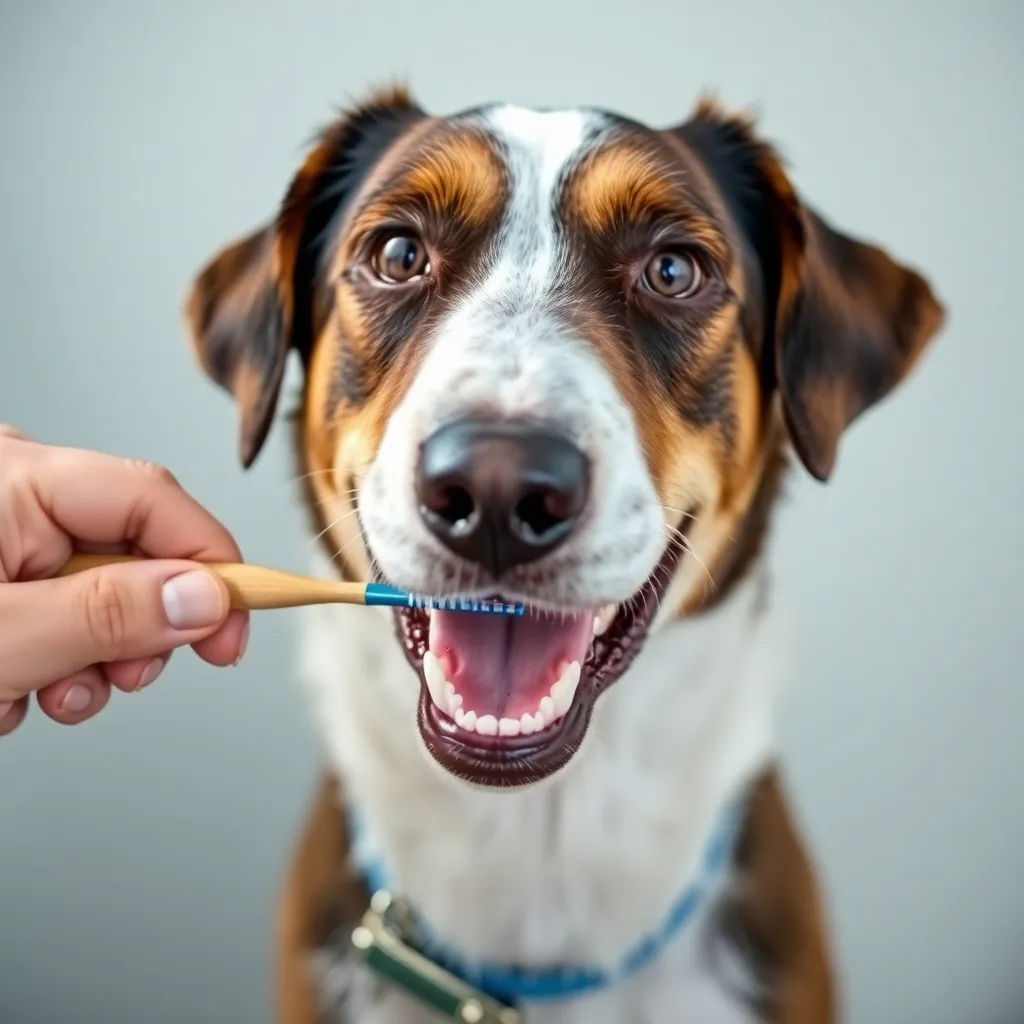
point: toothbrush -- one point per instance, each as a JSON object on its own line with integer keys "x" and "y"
{"x": 253, "y": 587}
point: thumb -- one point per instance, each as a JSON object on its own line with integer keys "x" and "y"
{"x": 50, "y": 629}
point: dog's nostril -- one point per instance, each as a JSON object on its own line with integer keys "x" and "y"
{"x": 540, "y": 512}
{"x": 454, "y": 504}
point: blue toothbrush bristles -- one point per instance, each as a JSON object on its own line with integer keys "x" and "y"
{"x": 382, "y": 594}
{"x": 467, "y": 604}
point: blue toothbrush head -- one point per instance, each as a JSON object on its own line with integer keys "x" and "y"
{"x": 382, "y": 594}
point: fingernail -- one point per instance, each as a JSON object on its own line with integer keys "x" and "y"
{"x": 149, "y": 673}
{"x": 242, "y": 644}
{"x": 192, "y": 600}
{"x": 77, "y": 699}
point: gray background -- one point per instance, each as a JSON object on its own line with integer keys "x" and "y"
{"x": 139, "y": 854}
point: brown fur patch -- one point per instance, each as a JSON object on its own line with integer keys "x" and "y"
{"x": 453, "y": 176}
{"x": 318, "y": 492}
{"x": 741, "y": 529}
{"x": 622, "y": 182}
{"x": 779, "y": 913}
{"x": 320, "y": 894}
{"x": 459, "y": 176}
{"x": 628, "y": 185}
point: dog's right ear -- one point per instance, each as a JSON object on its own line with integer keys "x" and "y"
{"x": 249, "y": 305}
{"x": 238, "y": 313}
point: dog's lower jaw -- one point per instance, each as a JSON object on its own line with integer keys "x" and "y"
{"x": 499, "y": 769}
{"x": 581, "y": 867}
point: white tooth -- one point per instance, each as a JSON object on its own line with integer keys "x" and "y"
{"x": 539, "y": 721}
{"x": 436, "y": 682}
{"x": 558, "y": 688}
{"x": 564, "y": 690}
{"x": 547, "y": 711}
{"x": 460, "y": 717}
{"x": 452, "y": 700}
{"x": 508, "y": 727}
{"x": 487, "y": 725}
{"x": 603, "y": 619}
{"x": 526, "y": 725}
{"x": 468, "y": 721}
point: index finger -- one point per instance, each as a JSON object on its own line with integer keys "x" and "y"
{"x": 103, "y": 499}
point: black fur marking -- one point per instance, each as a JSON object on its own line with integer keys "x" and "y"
{"x": 734, "y": 160}
{"x": 357, "y": 143}
{"x": 664, "y": 344}
{"x": 710, "y": 400}
{"x": 744, "y": 968}
{"x": 348, "y": 383}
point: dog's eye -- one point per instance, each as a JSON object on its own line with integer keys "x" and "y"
{"x": 674, "y": 275}
{"x": 400, "y": 258}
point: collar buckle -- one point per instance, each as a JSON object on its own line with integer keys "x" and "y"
{"x": 381, "y": 940}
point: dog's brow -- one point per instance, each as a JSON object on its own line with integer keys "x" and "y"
{"x": 628, "y": 184}
{"x": 458, "y": 175}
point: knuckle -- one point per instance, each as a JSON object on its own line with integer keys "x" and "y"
{"x": 9, "y": 441}
{"x": 155, "y": 472}
{"x": 108, "y": 602}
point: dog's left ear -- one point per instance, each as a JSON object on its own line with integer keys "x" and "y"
{"x": 251, "y": 304}
{"x": 845, "y": 322}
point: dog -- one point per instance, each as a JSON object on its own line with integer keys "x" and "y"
{"x": 559, "y": 358}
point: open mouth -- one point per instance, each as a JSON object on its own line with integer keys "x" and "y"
{"x": 506, "y": 701}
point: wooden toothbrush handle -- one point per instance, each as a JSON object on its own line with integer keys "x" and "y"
{"x": 251, "y": 587}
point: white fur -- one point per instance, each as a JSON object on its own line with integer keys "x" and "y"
{"x": 577, "y": 868}
{"x": 504, "y": 352}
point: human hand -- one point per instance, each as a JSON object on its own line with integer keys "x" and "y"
{"x": 70, "y": 639}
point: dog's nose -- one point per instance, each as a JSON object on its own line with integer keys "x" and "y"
{"x": 501, "y": 494}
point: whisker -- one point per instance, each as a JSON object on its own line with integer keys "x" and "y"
{"x": 681, "y": 511}
{"x": 312, "y": 473}
{"x": 331, "y": 526}
{"x": 344, "y": 547}
{"x": 679, "y": 537}
{"x": 326, "y": 506}
{"x": 663, "y": 573}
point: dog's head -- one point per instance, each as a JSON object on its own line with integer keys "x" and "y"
{"x": 548, "y": 355}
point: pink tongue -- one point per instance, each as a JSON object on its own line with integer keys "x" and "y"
{"x": 504, "y": 665}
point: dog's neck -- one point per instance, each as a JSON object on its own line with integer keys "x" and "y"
{"x": 582, "y": 866}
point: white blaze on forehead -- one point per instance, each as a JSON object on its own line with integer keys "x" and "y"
{"x": 504, "y": 347}
{"x": 541, "y": 147}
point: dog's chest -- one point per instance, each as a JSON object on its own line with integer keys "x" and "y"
{"x": 680, "y": 987}
{"x": 581, "y": 868}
